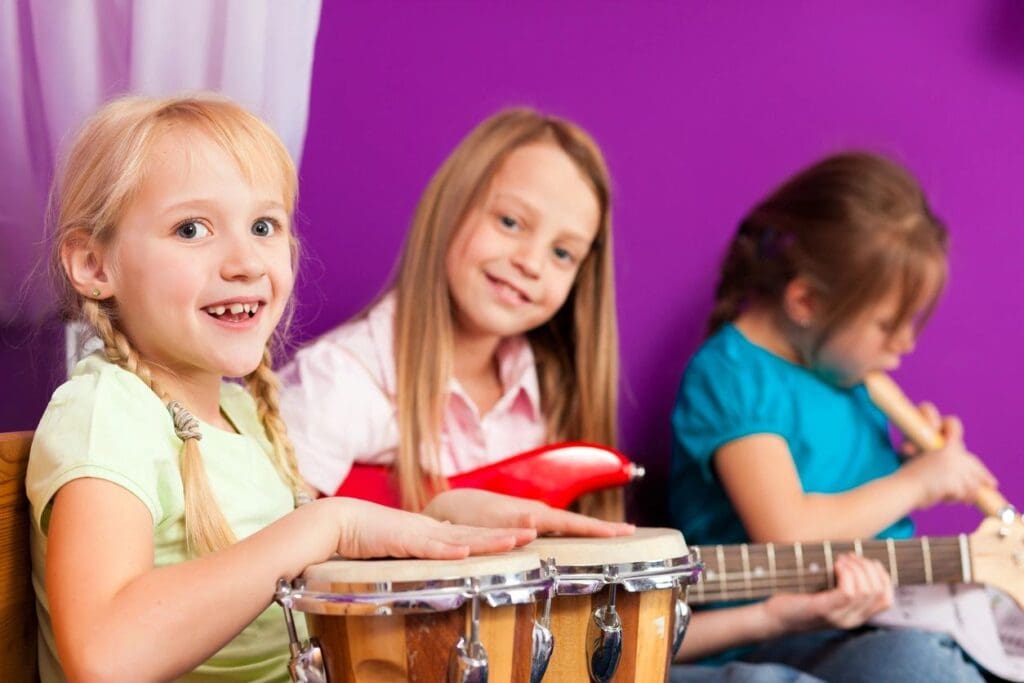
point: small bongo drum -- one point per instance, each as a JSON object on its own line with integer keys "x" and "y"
{"x": 619, "y": 611}
{"x": 384, "y": 621}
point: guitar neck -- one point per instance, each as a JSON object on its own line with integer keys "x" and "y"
{"x": 748, "y": 571}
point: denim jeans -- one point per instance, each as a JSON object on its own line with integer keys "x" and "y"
{"x": 865, "y": 655}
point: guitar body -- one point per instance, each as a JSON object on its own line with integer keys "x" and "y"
{"x": 556, "y": 474}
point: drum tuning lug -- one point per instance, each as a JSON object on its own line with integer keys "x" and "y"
{"x": 306, "y": 664}
{"x": 683, "y": 614}
{"x": 467, "y": 663}
{"x": 604, "y": 643}
{"x": 468, "y": 660}
{"x": 540, "y": 656}
{"x": 543, "y": 639}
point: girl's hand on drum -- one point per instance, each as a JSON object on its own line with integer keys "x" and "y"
{"x": 369, "y": 530}
{"x": 863, "y": 589}
{"x": 949, "y": 474}
{"x": 485, "y": 508}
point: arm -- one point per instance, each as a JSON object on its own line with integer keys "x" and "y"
{"x": 488, "y": 509}
{"x": 758, "y": 474}
{"x": 863, "y": 589}
{"x": 114, "y": 613}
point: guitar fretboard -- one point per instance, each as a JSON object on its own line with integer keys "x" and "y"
{"x": 746, "y": 571}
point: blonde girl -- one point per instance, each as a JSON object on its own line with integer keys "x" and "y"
{"x": 775, "y": 439}
{"x": 163, "y": 498}
{"x": 498, "y": 334}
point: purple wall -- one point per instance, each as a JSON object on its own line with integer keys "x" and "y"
{"x": 701, "y": 109}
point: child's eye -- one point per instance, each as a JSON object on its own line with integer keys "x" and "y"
{"x": 509, "y": 222}
{"x": 563, "y": 254}
{"x": 264, "y": 227}
{"x": 191, "y": 230}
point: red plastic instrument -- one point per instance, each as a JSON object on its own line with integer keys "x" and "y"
{"x": 556, "y": 474}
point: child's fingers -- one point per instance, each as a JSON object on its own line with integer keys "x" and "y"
{"x": 931, "y": 414}
{"x": 952, "y": 428}
{"x": 554, "y": 521}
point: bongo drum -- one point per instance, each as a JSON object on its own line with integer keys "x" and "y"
{"x": 383, "y": 621}
{"x": 619, "y": 611}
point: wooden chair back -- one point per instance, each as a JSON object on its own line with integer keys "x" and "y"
{"x": 17, "y": 601}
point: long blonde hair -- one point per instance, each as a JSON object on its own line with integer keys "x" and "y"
{"x": 576, "y": 351}
{"x": 103, "y": 172}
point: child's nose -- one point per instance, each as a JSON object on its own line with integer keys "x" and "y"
{"x": 529, "y": 259}
{"x": 242, "y": 261}
{"x": 904, "y": 339}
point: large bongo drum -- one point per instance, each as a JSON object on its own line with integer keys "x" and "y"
{"x": 619, "y": 611}
{"x": 384, "y": 621}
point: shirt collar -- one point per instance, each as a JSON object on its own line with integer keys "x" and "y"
{"x": 517, "y": 371}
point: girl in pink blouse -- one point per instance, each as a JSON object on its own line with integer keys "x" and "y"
{"x": 498, "y": 334}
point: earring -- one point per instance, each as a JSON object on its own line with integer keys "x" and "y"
{"x": 95, "y": 293}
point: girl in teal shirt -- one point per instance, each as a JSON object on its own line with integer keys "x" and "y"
{"x": 775, "y": 439}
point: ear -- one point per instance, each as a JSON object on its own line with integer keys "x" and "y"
{"x": 800, "y": 302}
{"x": 85, "y": 262}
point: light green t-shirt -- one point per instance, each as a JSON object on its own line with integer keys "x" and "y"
{"x": 106, "y": 423}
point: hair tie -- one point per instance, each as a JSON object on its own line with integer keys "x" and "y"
{"x": 186, "y": 426}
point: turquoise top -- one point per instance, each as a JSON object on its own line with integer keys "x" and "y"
{"x": 733, "y": 388}
{"x": 105, "y": 423}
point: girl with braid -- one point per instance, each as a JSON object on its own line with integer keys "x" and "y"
{"x": 775, "y": 439}
{"x": 165, "y": 501}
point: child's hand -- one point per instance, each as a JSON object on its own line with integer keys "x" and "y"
{"x": 949, "y": 474}
{"x": 934, "y": 419}
{"x": 863, "y": 589}
{"x": 484, "y": 508}
{"x": 370, "y": 530}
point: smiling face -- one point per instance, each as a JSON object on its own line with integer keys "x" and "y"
{"x": 514, "y": 259}
{"x": 200, "y": 264}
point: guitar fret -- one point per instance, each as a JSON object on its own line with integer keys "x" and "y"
{"x": 770, "y": 551}
{"x": 965, "y": 559}
{"x": 894, "y": 572}
{"x": 798, "y": 555}
{"x": 926, "y": 555}
{"x": 700, "y": 579}
{"x": 858, "y": 548}
{"x": 720, "y": 556}
{"x": 745, "y": 557}
{"x": 829, "y": 572}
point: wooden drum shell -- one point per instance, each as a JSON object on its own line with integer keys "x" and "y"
{"x": 416, "y": 647}
{"x": 647, "y": 628}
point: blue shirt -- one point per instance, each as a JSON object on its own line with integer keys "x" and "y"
{"x": 733, "y": 388}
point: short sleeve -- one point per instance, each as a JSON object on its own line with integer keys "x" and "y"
{"x": 722, "y": 398}
{"x": 337, "y": 412}
{"x": 104, "y": 423}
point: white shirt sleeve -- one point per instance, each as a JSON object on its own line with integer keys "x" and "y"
{"x": 337, "y": 412}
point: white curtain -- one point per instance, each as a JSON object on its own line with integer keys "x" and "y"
{"x": 61, "y": 59}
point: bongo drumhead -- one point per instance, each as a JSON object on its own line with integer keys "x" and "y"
{"x": 384, "y": 571}
{"x": 646, "y": 545}
{"x": 342, "y": 587}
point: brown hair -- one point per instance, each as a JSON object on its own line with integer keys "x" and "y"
{"x": 104, "y": 170}
{"x": 576, "y": 351}
{"x": 856, "y": 225}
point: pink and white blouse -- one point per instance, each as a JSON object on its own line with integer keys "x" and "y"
{"x": 338, "y": 400}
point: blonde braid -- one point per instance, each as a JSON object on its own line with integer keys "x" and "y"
{"x": 206, "y": 529}
{"x": 262, "y": 383}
